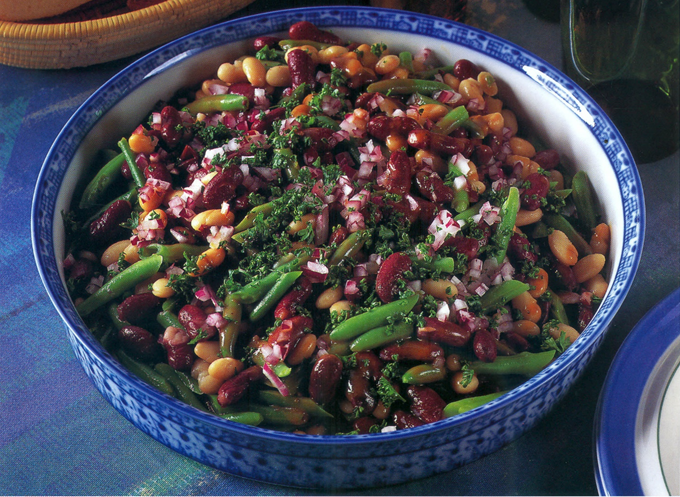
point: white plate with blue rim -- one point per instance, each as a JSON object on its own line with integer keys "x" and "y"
{"x": 637, "y": 433}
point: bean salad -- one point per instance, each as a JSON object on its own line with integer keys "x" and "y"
{"x": 329, "y": 237}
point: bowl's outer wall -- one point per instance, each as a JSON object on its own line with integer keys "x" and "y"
{"x": 580, "y": 128}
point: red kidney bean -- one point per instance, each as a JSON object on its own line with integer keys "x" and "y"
{"x": 463, "y": 245}
{"x": 536, "y": 187}
{"x": 305, "y": 30}
{"x": 364, "y": 424}
{"x": 397, "y": 175}
{"x": 288, "y": 305}
{"x": 288, "y": 333}
{"x": 484, "y": 345}
{"x": 263, "y": 123}
{"x": 426, "y": 404}
{"x": 464, "y": 69}
{"x": 432, "y": 187}
{"x": 320, "y": 138}
{"x": 138, "y": 308}
{"x": 170, "y": 120}
{"x": 107, "y": 229}
{"x": 359, "y": 392}
{"x": 325, "y": 378}
{"x": 157, "y": 171}
{"x": 245, "y": 89}
{"x": 302, "y": 68}
{"x": 585, "y": 314}
{"x": 338, "y": 235}
{"x": 235, "y": 387}
{"x": 547, "y": 159}
{"x": 412, "y": 350}
{"x": 520, "y": 249}
{"x": 369, "y": 365}
{"x": 410, "y": 213}
{"x": 222, "y": 187}
{"x": 362, "y": 78}
{"x": 444, "y": 332}
{"x": 180, "y": 354}
{"x": 390, "y": 272}
{"x": 427, "y": 210}
{"x": 404, "y": 420}
{"x": 81, "y": 268}
{"x": 439, "y": 144}
{"x": 382, "y": 126}
{"x": 565, "y": 275}
{"x": 516, "y": 341}
{"x": 139, "y": 343}
{"x": 193, "y": 319}
{"x": 265, "y": 41}
{"x": 483, "y": 155}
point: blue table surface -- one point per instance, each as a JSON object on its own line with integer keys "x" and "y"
{"x": 58, "y": 436}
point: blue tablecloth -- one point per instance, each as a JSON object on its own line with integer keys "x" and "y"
{"x": 59, "y": 436}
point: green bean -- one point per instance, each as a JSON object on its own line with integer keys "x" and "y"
{"x": 167, "y": 319}
{"x": 246, "y": 418}
{"x": 382, "y": 335}
{"x": 452, "y": 120}
{"x": 292, "y": 168}
{"x": 190, "y": 382}
{"x": 296, "y": 96}
{"x": 172, "y": 253}
{"x": 420, "y": 99}
{"x": 406, "y": 60}
{"x": 431, "y": 73}
{"x": 557, "y": 310}
{"x": 501, "y": 294}
{"x": 461, "y": 200}
{"x": 249, "y": 220}
{"x": 182, "y": 392}
{"x": 407, "y": 86}
{"x": 561, "y": 223}
{"x": 281, "y": 369}
{"x": 290, "y": 416}
{"x": 218, "y": 409}
{"x": 540, "y": 230}
{"x": 217, "y": 103}
{"x": 349, "y": 247}
{"x": 373, "y": 318}
{"x": 276, "y": 293}
{"x": 524, "y": 363}
{"x": 442, "y": 264}
{"x": 469, "y": 212}
{"x": 121, "y": 282}
{"x": 505, "y": 228}
{"x": 464, "y": 405}
{"x": 305, "y": 403}
{"x": 113, "y": 316}
{"x": 423, "y": 373}
{"x": 583, "y": 199}
{"x": 145, "y": 373}
{"x": 137, "y": 174}
{"x": 322, "y": 122}
{"x": 229, "y": 333}
{"x": 255, "y": 290}
{"x": 109, "y": 173}
{"x": 563, "y": 193}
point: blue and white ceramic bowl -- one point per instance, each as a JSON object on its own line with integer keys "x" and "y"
{"x": 562, "y": 114}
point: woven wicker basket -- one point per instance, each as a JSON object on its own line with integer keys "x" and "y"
{"x": 77, "y": 44}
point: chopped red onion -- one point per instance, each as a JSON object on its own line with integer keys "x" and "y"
{"x": 275, "y": 380}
